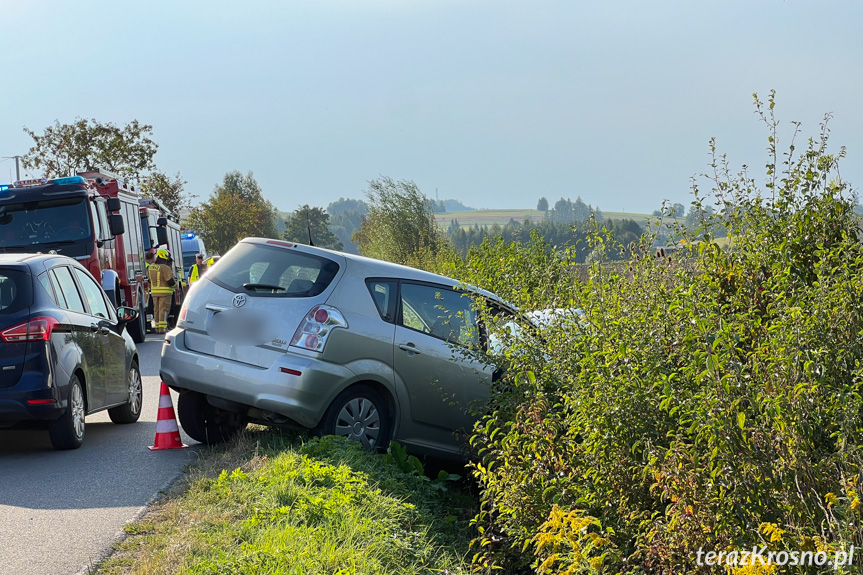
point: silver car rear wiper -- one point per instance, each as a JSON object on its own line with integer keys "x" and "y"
{"x": 256, "y": 287}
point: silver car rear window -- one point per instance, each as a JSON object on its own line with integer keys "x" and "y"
{"x": 270, "y": 271}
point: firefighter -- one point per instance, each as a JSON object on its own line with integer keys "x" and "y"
{"x": 149, "y": 260}
{"x": 197, "y": 269}
{"x": 162, "y": 289}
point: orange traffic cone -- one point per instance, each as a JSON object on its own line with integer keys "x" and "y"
{"x": 167, "y": 431}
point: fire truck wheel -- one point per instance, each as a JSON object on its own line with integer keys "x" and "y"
{"x": 142, "y": 316}
{"x": 149, "y": 315}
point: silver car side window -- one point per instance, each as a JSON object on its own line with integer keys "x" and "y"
{"x": 383, "y": 295}
{"x": 441, "y": 312}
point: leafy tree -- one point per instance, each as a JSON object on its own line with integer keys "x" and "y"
{"x": 597, "y": 213}
{"x": 344, "y": 225}
{"x": 400, "y": 226}
{"x": 315, "y": 221}
{"x": 453, "y": 228}
{"x": 346, "y": 216}
{"x": 236, "y": 209}
{"x": 567, "y": 211}
{"x": 542, "y": 205}
{"x": 562, "y": 211}
{"x": 343, "y": 205}
{"x": 580, "y": 210}
{"x": 169, "y": 191}
{"x": 63, "y": 149}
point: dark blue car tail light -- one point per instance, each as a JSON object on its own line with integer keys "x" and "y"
{"x": 36, "y": 329}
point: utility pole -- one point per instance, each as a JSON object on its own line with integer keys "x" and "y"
{"x": 17, "y": 168}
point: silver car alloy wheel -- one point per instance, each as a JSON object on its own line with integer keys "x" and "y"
{"x": 136, "y": 396}
{"x": 359, "y": 420}
{"x": 76, "y": 406}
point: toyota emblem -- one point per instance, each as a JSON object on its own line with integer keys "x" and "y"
{"x": 239, "y": 300}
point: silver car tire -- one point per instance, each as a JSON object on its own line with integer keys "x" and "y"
{"x": 361, "y": 414}
{"x": 203, "y": 422}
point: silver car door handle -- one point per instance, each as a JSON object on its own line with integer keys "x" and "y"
{"x": 215, "y": 308}
{"x": 94, "y": 328}
{"x": 104, "y": 330}
{"x": 409, "y": 347}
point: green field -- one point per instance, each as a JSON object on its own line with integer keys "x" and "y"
{"x": 502, "y": 217}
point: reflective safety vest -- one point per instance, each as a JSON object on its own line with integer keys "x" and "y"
{"x": 195, "y": 272}
{"x": 147, "y": 273}
{"x": 161, "y": 279}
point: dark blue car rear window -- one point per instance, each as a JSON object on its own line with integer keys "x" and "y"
{"x": 16, "y": 290}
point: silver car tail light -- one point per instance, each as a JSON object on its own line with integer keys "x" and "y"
{"x": 314, "y": 330}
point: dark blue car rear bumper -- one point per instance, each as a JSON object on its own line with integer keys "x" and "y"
{"x": 27, "y": 400}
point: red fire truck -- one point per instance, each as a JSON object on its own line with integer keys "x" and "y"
{"x": 92, "y": 217}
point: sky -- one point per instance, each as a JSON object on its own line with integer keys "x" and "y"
{"x": 495, "y": 103}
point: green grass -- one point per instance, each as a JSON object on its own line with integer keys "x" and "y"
{"x": 274, "y": 503}
{"x": 641, "y": 219}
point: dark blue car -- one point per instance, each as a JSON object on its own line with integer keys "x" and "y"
{"x": 64, "y": 350}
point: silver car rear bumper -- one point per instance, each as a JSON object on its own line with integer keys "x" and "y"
{"x": 303, "y": 398}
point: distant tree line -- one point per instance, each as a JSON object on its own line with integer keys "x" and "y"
{"x": 558, "y": 234}
{"x": 565, "y": 211}
{"x": 340, "y": 226}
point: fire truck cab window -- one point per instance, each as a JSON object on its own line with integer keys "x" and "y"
{"x": 60, "y": 220}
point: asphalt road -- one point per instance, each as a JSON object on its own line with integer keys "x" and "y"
{"x": 60, "y": 511}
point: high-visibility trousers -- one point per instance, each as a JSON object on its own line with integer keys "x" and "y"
{"x": 161, "y": 307}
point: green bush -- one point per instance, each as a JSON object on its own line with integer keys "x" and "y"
{"x": 711, "y": 400}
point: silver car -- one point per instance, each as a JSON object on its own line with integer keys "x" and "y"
{"x": 281, "y": 333}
